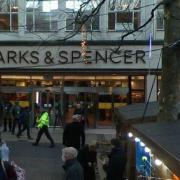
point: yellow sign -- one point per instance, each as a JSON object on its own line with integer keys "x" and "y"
{"x": 104, "y": 105}
{"x": 109, "y": 105}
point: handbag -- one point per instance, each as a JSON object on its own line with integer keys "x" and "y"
{"x": 19, "y": 171}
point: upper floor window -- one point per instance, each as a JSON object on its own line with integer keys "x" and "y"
{"x": 160, "y": 18}
{"x": 73, "y": 22}
{"x": 124, "y": 14}
{"x": 42, "y": 15}
{"x": 8, "y": 15}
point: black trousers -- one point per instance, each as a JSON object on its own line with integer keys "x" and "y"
{"x": 44, "y": 130}
{"x": 16, "y": 122}
{"x": 9, "y": 124}
{"x": 25, "y": 127}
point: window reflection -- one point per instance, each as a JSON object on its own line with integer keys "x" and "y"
{"x": 124, "y": 14}
{"x": 42, "y": 15}
{"x": 8, "y": 15}
{"x": 91, "y": 23}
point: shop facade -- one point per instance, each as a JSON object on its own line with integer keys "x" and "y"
{"x": 56, "y": 76}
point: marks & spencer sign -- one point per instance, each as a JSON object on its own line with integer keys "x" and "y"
{"x": 70, "y": 57}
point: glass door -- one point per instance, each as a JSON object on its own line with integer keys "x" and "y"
{"x": 51, "y": 101}
{"x": 47, "y": 102}
{"x": 85, "y": 101}
{"x": 58, "y": 110}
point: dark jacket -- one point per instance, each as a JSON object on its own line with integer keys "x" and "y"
{"x": 73, "y": 170}
{"x": 2, "y": 172}
{"x": 73, "y": 135}
{"x": 87, "y": 160}
{"x": 116, "y": 165}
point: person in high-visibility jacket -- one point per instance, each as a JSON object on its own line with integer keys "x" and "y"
{"x": 43, "y": 124}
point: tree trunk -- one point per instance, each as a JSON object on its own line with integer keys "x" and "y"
{"x": 170, "y": 83}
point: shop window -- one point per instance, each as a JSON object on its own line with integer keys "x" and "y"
{"x": 8, "y": 15}
{"x": 42, "y": 15}
{"x": 73, "y": 22}
{"x": 92, "y": 24}
{"x": 138, "y": 89}
{"x": 124, "y": 15}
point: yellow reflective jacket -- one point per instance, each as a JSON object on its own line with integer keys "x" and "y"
{"x": 43, "y": 120}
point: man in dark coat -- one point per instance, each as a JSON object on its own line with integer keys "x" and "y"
{"x": 72, "y": 167}
{"x": 25, "y": 120}
{"x": 117, "y": 162}
{"x": 74, "y": 135}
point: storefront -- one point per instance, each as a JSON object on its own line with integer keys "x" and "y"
{"x": 57, "y": 77}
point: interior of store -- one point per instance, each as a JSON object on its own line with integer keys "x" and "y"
{"x": 98, "y": 95}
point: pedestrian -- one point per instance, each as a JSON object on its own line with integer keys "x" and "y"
{"x": 72, "y": 167}
{"x": 2, "y": 171}
{"x": 74, "y": 135}
{"x": 25, "y": 120}
{"x": 7, "y": 115}
{"x": 7, "y": 171}
{"x": 4, "y": 149}
{"x": 117, "y": 162}
{"x": 43, "y": 124}
{"x": 87, "y": 157}
{"x": 81, "y": 111}
{"x": 16, "y": 111}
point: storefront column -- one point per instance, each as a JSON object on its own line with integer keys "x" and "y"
{"x": 151, "y": 88}
{"x": 32, "y": 102}
{"x": 62, "y": 104}
{"x": 131, "y": 160}
{"x": 130, "y": 91}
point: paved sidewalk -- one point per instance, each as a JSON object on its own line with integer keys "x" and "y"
{"x": 42, "y": 162}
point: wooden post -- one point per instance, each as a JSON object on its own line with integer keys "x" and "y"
{"x": 131, "y": 161}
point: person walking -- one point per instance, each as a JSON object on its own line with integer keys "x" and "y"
{"x": 43, "y": 124}
{"x": 7, "y": 115}
{"x": 72, "y": 167}
{"x": 74, "y": 135}
{"x": 16, "y": 111}
{"x": 25, "y": 119}
{"x": 117, "y": 162}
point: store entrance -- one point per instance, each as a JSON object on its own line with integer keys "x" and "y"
{"x": 51, "y": 101}
{"x": 81, "y": 98}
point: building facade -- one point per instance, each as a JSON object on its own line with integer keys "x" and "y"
{"x": 57, "y": 54}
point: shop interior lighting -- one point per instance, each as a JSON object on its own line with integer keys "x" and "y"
{"x": 130, "y": 134}
{"x": 37, "y": 97}
{"x": 158, "y": 162}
